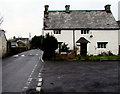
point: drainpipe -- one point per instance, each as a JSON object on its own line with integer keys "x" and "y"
{"x": 74, "y": 42}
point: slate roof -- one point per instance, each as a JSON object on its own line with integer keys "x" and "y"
{"x": 80, "y": 19}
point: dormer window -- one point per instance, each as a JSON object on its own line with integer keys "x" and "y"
{"x": 85, "y": 31}
{"x": 57, "y": 31}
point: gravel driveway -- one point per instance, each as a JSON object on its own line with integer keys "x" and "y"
{"x": 71, "y": 77}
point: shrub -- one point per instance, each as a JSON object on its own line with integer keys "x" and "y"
{"x": 64, "y": 48}
{"x": 50, "y": 44}
{"x": 109, "y": 53}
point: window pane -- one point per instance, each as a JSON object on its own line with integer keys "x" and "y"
{"x": 102, "y": 44}
{"x": 57, "y": 31}
{"x": 81, "y": 31}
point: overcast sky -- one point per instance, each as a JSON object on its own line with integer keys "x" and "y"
{"x": 22, "y": 17}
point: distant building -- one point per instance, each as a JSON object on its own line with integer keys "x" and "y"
{"x": 21, "y": 42}
{"x": 3, "y": 43}
{"x": 92, "y": 32}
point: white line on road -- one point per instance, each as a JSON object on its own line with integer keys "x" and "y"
{"x": 40, "y": 79}
{"x": 39, "y": 84}
{"x": 22, "y": 55}
{"x": 15, "y": 56}
{"x": 29, "y": 79}
{"x": 38, "y": 89}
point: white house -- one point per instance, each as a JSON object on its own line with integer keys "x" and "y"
{"x": 91, "y": 31}
{"x": 3, "y": 43}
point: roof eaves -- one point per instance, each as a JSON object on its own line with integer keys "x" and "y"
{"x": 82, "y": 28}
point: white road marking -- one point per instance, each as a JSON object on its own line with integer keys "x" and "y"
{"x": 23, "y": 55}
{"x": 25, "y": 88}
{"x": 30, "y": 79}
{"x": 41, "y": 69}
{"x": 38, "y": 89}
{"x": 31, "y": 54}
{"x": 28, "y": 83}
{"x": 39, "y": 84}
{"x": 30, "y": 76}
{"x": 40, "y": 79}
{"x": 15, "y": 56}
{"x": 39, "y": 75}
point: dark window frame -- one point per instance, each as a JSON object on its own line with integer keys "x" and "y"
{"x": 102, "y": 44}
{"x": 84, "y": 31}
{"x": 57, "y": 31}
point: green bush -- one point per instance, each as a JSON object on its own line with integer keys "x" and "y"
{"x": 50, "y": 44}
{"x": 64, "y": 48}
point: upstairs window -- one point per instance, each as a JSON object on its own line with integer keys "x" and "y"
{"x": 101, "y": 44}
{"x": 85, "y": 31}
{"x": 57, "y": 31}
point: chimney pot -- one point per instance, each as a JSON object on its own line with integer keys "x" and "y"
{"x": 46, "y": 7}
{"x": 46, "y": 11}
{"x": 107, "y": 8}
{"x": 67, "y": 7}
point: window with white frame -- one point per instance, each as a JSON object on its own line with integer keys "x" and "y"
{"x": 84, "y": 31}
{"x": 102, "y": 44}
{"x": 57, "y": 31}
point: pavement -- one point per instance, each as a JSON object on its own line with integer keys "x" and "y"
{"x": 21, "y": 72}
{"x": 72, "y": 77}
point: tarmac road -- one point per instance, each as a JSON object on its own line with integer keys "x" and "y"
{"x": 71, "y": 77}
{"x": 19, "y": 68}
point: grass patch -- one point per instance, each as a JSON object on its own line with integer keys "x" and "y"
{"x": 90, "y": 58}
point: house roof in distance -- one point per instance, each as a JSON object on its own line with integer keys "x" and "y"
{"x": 79, "y": 19}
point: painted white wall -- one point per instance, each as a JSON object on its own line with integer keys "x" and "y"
{"x": 119, "y": 37}
{"x": 110, "y": 36}
{"x": 3, "y": 44}
{"x": 65, "y": 36}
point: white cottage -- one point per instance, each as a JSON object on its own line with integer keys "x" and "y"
{"x": 91, "y": 31}
{"x": 3, "y": 43}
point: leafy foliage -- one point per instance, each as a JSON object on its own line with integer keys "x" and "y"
{"x": 64, "y": 48}
{"x": 50, "y": 44}
{"x": 109, "y": 53}
{"x": 36, "y": 42}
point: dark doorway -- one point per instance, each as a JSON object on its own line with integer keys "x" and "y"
{"x": 83, "y": 49}
{"x": 83, "y": 45}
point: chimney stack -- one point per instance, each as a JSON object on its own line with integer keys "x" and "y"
{"x": 46, "y": 8}
{"x": 67, "y": 7}
{"x": 107, "y": 8}
{"x": 46, "y": 11}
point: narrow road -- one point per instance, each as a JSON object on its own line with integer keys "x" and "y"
{"x": 19, "y": 68}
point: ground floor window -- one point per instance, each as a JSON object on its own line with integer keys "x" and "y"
{"x": 101, "y": 44}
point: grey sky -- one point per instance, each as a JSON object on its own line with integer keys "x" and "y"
{"x": 22, "y": 17}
